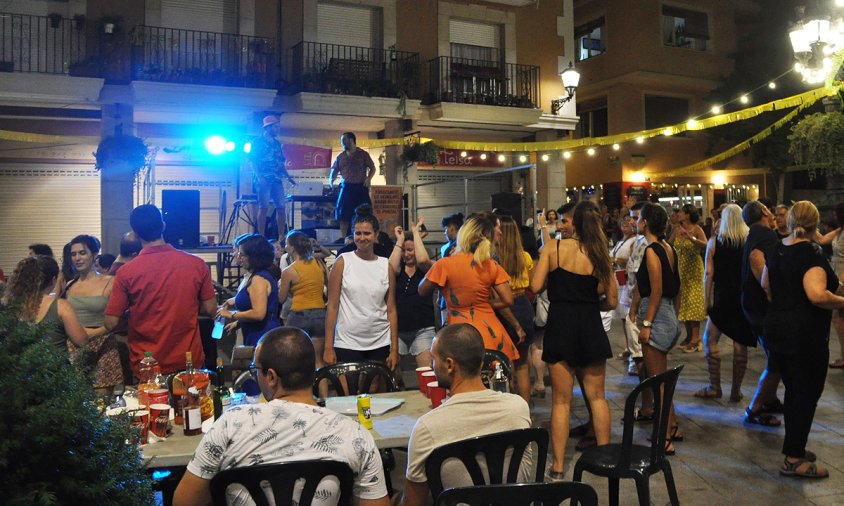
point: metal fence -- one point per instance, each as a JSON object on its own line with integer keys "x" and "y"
{"x": 482, "y": 82}
{"x": 352, "y": 70}
{"x": 45, "y": 44}
{"x": 198, "y": 57}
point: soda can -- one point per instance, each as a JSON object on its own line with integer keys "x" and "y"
{"x": 364, "y": 410}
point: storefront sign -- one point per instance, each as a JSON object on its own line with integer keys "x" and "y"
{"x": 473, "y": 159}
{"x": 306, "y": 157}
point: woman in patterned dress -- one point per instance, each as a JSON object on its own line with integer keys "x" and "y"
{"x": 690, "y": 241}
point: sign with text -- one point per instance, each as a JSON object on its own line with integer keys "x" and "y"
{"x": 453, "y": 158}
{"x": 306, "y": 157}
{"x": 387, "y": 206}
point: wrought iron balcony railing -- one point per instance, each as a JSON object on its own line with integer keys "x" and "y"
{"x": 44, "y": 44}
{"x": 197, "y": 57}
{"x": 351, "y": 70}
{"x": 482, "y": 82}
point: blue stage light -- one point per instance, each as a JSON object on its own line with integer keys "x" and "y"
{"x": 230, "y": 146}
{"x": 247, "y": 147}
{"x": 215, "y": 145}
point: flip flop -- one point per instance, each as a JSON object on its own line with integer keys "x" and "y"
{"x": 555, "y": 476}
{"x": 763, "y": 419}
{"x": 709, "y": 392}
{"x": 838, "y": 364}
{"x": 774, "y": 406}
{"x": 790, "y": 469}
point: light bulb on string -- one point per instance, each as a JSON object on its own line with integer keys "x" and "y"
{"x": 464, "y": 154}
{"x": 545, "y": 157}
{"x": 744, "y": 99}
{"x": 616, "y": 147}
{"x": 522, "y": 158}
{"x": 590, "y": 151}
{"x": 483, "y": 156}
{"x": 772, "y": 85}
{"x": 501, "y": 158}
{"x": 716, "y": 109}
{"x": 566, "y": 154}
{"x": 640, "y": 140}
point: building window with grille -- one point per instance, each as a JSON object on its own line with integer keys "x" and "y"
{"x": 685, "y": 28}
{"x": 594, "y": 121}
{"x": 590, "y": 39}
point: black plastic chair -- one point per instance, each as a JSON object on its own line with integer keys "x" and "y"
{"x": 520, "y": 494}
{"x": 282, "y": 479}
{"x": 491, "y": 357}
{"x": 358, "y": 376}
{"x": 639, "y": 462}
{"x": 494, "y": 448}
{"x": 247, "y": 383}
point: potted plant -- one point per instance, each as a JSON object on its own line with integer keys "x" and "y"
{"x": 817, "y": 141}
{"x": 55, "y": 19}
{"x": 115, "y": 149}
{"x": 57, "y": 446}
{"x": 416, "y": 151}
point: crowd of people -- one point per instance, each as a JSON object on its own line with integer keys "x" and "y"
{"x": 543, "y": 294}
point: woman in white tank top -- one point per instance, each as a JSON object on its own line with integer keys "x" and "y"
{"x": 361, "y": 321}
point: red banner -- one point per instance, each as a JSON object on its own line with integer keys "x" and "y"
{"x": 306, "y": 157}
{"x": 454, "y": 158}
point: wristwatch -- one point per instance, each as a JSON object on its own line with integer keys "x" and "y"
{"x": 646, "y": 324}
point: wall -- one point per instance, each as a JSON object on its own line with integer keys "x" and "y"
{"x": 538, "y": 43}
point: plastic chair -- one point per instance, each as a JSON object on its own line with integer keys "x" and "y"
{"x": 247, "y": 383}
{"x": 520, "y": 494}
{"x": 358, "y": 376}
{"x": 282, "y": 479}
{"x": 494, "y": 448}
{"x": 491, "y": 357}
{"x": 628, "y": 460}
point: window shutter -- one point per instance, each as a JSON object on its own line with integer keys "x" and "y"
{"x": 201, "y": 15}
{"x": 345, "y": 25}
{"x": 474, "y": 34}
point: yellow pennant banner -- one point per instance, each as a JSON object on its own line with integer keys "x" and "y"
{"x": 9, "y": 135}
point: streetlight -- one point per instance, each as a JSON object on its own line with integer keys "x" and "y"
{"x": 814, "y": 40}
{"x": 571, "y": 78}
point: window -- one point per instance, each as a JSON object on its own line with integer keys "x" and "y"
{"x": 594, "y": 121}
{"x": 475, "y": 41}
{"x": 347, "y": 25}
{"x": 684, "y": 28}
{"x": 665, "y": 111}
{"x": 590, "y": 39}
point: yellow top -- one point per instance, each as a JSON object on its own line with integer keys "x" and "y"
{"x": 518, "y": 284}
{"x": 308, "y": 291}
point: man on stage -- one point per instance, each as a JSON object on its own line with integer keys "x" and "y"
{"x": 356, "y": 168}
{"x": 269, "y": 174}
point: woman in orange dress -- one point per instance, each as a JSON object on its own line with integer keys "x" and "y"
{"x": 466, "y": 280}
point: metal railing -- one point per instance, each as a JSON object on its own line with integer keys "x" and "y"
{"x": 198, "y": 57}
{"x": 482, "y": 82}
{"x": 351, "y": 70}
{"x": 45, "y": 44}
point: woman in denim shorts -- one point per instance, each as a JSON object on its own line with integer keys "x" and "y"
{"x": 304, "y": 281}
{"x": 655, "y": 305}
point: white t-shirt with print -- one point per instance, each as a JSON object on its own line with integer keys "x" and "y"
{"x": 281, "y": 431}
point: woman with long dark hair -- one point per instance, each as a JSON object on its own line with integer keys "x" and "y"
{"x": 31, "y": 289}
{"x": 655, "y": 306}
{"x": 689, "y": 240}
{"x": 255, "y": 306}
{"x": 578, "y": 274}
{"x": 88, "y": 291}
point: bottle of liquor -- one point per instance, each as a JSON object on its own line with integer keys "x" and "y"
{"x": 181, "y": 383}
{"x": 222, "y": 400}
{"x": 148, "y": 371}
{"x": 192, "y": 412}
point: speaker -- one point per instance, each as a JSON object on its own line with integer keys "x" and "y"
{"x": 508, "y": 203}
{"x": 181, "y": 217}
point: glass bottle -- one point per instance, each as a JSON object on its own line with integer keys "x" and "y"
{"x": 222, "y": 400}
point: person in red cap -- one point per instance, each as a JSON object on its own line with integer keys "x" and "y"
{"x": 269, "y": 174}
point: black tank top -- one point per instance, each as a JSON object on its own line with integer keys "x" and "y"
{"x": 670, "y": 278}
{"x": 565, "y": 286}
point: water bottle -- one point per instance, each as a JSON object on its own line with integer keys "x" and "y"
{"x": 219, "y": 325}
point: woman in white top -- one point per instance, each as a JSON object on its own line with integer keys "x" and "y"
{"x": 361, "y": 321}
{"x": 835, "y": 238}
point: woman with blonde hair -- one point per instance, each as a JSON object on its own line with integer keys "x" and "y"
{"x": 519, "y": 266}
{"x": 722, "y": 283}
{"x": 466, "y": 279}
{"x": 801, "y": 286}
{"x": 579, "y": 274}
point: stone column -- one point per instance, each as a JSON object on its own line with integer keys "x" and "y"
{"x": 551, "y": 175}
{"x": 117, "y": 181}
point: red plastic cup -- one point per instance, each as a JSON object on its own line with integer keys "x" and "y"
{"x": 158, "y": 396}
{"x": 427, "y": 377}
{"x": 139, "y": 425}
{"x": 422, "y": 386}
{"x": 437, "y": 394}
{"x": 621, "y": 276}
{"x": 159, "y": 418}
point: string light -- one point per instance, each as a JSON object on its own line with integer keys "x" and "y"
{"x": 716, "y": 109}
{"x": 566, "y": 154}
{"x": 464, "y": 154}
{"x": 523, "y": 158}
{"x": 744, "y": 99}
{"x": 483, "y": 156}
{"x": 590, "y": 151}
{"x": 616, "y": 147}
{"x": 640, "y": 140}
{"x": 501, "y": 158}
{"x": 545, "y": 158}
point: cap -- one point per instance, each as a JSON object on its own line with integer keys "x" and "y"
{"x": 270, "y": 120}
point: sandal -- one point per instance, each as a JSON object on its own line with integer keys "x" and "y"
{"x": 810, "y": 456}
{"x": 763, "y": 419}
{"x": 674, "y": 436}
{"x": 586, "y": 442}
{"x": 812, "y": 471}
{"x": 669, "y": 448}
{"x": 642, "y": 417}
{"x": 774, "y": 406}
{"x": 692, "y": 347}
{"x": 555, "y": 476}
{"x": 709, "y": 392}
{"x": 838, "y": 364}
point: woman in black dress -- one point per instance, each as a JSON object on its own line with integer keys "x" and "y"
{"x": 580, "y": 286}
{"x": 801, "y": 286}
{"x": 722, "y": 284}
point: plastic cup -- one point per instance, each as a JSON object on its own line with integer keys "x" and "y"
{"x": 139, "y": 425}
{"x": 427, "y": 377}
{"x": 621, "y": 277}
{"x": 422, "y": 386}
{"x": 437, "y": 394}
{"x": 159, "y": 418}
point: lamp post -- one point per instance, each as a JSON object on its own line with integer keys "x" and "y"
{"x": 571, "y": 78}
{"x": 815, "y": 39}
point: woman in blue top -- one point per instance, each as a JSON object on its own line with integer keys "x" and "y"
{"x": 256, "y": 302}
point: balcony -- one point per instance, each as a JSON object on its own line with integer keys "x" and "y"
{"x": 464, "y": 81}
{"x": 196, "y": 57}
{"x": 350, "y": 70}
{"x": 42, "y": 44}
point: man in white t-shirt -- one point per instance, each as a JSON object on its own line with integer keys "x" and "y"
{"x": 470, "y": 411}
{"x": 288, "y": 428}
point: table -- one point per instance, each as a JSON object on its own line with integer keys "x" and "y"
{"x": 391, "y": 430}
